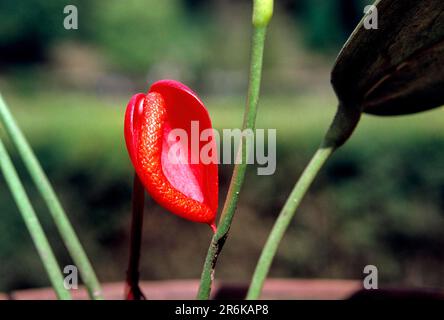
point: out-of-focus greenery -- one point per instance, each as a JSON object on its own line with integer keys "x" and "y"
{"x": 379, "y": 201}
{"x": 134, "y": 35}
{"x": 159, "y": 30}
{"x": 328, "y": 23}
{"x": 29, "y": 28}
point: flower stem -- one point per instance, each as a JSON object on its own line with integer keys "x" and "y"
{"x": 339, "y": 132}
{"x": 32, "y": 223}
{"x": 43, "y": 185}
{"x": 133, "y": 291}
{"x": 218, "y": 240}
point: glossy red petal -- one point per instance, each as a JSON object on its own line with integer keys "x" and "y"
{"x": 188, "y": 189}
{"x": 135, "y": 105}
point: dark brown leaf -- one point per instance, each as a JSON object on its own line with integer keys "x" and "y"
{"x": 398, "y": 68}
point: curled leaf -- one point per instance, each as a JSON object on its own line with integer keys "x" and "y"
{"x": 399, "y": 67}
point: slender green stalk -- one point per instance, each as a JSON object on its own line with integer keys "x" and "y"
{"x": 55, "y": 208}
{"x": 284, "y": 219}
{"x": 262, "y": 11}
{"x": 32, "y": 223}
{"x": 344, "y": 123}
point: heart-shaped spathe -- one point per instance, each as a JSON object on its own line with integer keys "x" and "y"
{"x": 176, "y": 178}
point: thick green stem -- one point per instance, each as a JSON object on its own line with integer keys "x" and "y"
{"x": 237, "y": 179}
{"x": 339, "y": 132}
{"x": 284, "y": 219}
{"x": 33, "y": 225}
{"x": 55, "y": 208}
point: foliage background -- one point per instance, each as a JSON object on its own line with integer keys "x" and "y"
{"x": 379, "y": 201}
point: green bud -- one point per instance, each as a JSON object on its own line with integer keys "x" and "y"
{"x": 262, "y": 12}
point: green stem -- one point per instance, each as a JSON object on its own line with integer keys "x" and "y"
{"x": 33, "y": 224}
{"x": 238, "y": 177}
{"x": 341, "y": 129}
{"x": 55, "y": 208}
{"x": 284, "y": 219}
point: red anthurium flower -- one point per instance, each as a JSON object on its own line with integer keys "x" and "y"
{"x": 171, "y": 169}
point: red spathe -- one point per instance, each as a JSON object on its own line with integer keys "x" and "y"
{"x": 184, "y": 187}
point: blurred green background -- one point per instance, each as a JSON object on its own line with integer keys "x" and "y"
{"x": 379, "y": 201}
